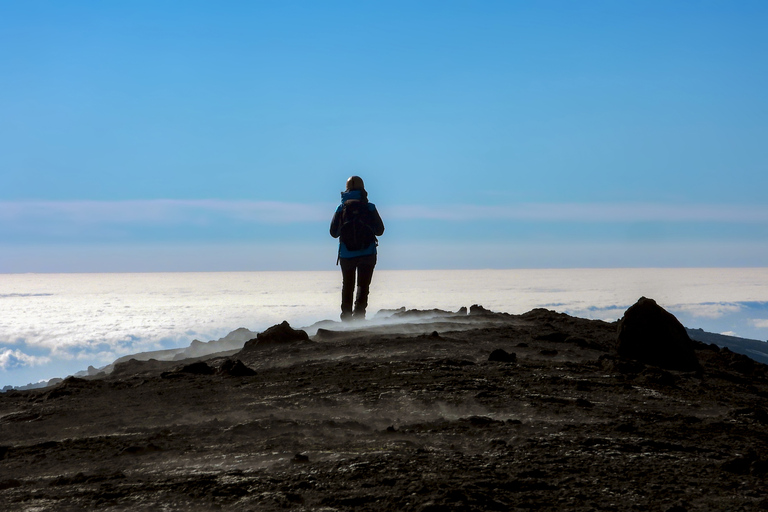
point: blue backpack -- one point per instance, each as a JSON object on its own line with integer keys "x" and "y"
{"x": 356, "y": 232}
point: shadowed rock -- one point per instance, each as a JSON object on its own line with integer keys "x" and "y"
{"x": 502, "y": 356}
{"x": 280, "y": 333}
{"x": 650, "y": 334}
{"x": 198, "y": 368}
{"x": 327, "y": 334}
{"x": 477, "y": 309}
{"x": 235, "y": 368}
{"x": 404, "y": 314}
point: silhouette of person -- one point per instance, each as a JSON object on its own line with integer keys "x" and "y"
{"x": 357, "y": 224}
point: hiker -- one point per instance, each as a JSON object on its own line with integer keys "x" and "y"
{"x": 356, "y": 224}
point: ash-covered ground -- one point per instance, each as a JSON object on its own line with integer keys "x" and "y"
{"x": 407, "y": 415}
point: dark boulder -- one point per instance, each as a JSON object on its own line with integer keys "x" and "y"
{"x": 280, "y": 333}
{"x": 235, "y": 368}
{"x": 650, "y": 334}
{"x": 198, "y": 368}
{"x": 502, "y": 356}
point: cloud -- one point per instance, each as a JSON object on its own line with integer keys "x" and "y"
{"x": 10, "y": 359}
{"x": 161, "y": 211}
{"x": 203, "y": 211}
{"x": 577, "y": 212}
{"x": 760, "y": 323}
{"x": 709, "y": 309}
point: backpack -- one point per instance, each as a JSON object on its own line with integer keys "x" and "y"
{"x": 356, "y": 231}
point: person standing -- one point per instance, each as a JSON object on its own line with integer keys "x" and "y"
{"x": 356, "y": 224}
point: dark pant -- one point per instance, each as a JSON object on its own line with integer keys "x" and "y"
{"x": 363, "y": 267}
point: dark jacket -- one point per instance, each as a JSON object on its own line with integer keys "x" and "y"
{"x": 377, "y": 225}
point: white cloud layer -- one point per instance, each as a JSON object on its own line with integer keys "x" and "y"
{"x": 174, "y": 211}
{"x": 162, "y": 211}
{"x": 596, "y": 212}
{"x": 709, "y": 310}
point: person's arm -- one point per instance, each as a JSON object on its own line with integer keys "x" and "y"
{"x": 335, "y": 223}
{"x": 378, "y": 225}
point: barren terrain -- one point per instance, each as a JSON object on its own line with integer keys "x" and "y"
{"x": 407, "y": 415}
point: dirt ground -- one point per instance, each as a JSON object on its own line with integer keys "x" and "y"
{"x": 409, "y": 415}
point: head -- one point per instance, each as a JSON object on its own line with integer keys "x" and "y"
{"x": 355, "y": 183}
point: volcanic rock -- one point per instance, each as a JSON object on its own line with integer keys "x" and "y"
{"x": 477, "y": 309}
{"x": 197, "y": 368}
{"x": 280, "y": 333}
{"x": 386, "y": 313}
{"x": 403, "y": 314}
{"x": 502, "y": 356}
{"x": 650, "y": 334}
{"x": 235, "y": 368}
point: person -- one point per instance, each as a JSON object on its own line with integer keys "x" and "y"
{"x": 356, "y": 224}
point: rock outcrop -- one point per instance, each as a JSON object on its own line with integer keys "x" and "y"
{"x": 650, "y": 334}
{"x": 280, "y": 333}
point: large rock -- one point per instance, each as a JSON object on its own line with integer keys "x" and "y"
{"x": 650, "y": 334}
{"x": 280, "y": 333}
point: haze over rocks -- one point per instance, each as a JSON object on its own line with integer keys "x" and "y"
{"x": 415, "y": 410}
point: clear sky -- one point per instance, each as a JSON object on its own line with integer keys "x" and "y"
{"x": 195, "y": 135}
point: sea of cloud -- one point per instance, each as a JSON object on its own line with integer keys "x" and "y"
{"x": 54, "y": 325}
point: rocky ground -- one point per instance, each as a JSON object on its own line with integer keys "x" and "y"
{"x": 408, "y": 415}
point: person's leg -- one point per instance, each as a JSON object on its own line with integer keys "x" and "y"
{"x": 348, "y": 268}
{"x": 365, "y": 268}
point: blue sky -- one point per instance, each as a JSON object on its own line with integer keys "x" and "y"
{"x": 190, "y": 135}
